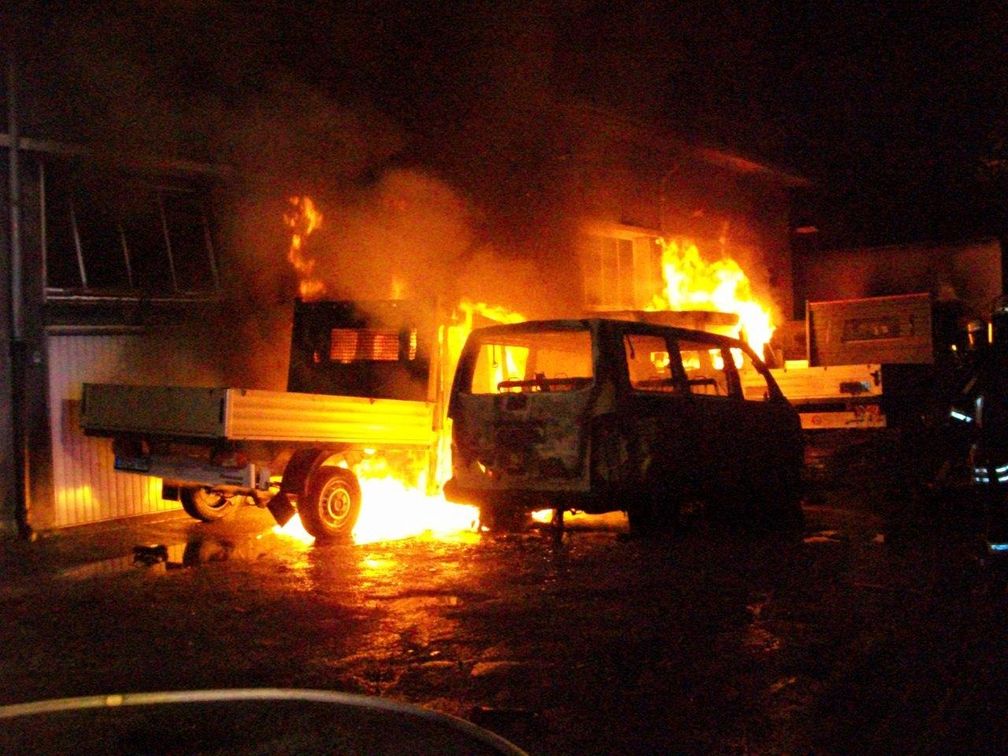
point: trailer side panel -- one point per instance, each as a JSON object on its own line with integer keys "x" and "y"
{"x": 883, "y": 330}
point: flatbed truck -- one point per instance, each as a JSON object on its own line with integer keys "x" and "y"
{"x": 366, "y": 379}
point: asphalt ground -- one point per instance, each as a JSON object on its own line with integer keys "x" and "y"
{"x": 875, "y": 626}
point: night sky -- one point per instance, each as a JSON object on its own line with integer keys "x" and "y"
{"x": 898, "y": 117}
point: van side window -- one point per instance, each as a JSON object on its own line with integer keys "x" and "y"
{"x": 648, "y": 365}
{"x": 753, "y": 379}
{"x": 704, "y": 366}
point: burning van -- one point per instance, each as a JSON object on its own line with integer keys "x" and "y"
{"x": 601, "y": 415}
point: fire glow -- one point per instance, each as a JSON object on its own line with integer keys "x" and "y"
{"x": 397, "y": 504}
{"x": 303, "y": 219}
{"x": 691, "y": 283}
{"x": 393, "y": 510}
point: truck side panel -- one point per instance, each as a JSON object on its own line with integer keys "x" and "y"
{"x": 838, "y": 396}
{"x": 808, "y": 385}
{"x": 254, "y": 415}
{"x": 279, "y": 416}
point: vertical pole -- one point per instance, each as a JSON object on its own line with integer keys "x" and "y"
{"x": 19, "y": 435}
{"x": 14, "y": 196}
{"x": 8, "y": 477}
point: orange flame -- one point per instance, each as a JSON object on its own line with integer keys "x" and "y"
{"x": 303, "y": 219}
{"x": 692, "y": 283}
{"x": 396, "y": 504}
{"x": 393, "y": 510}
{"x": 491, "y": 312}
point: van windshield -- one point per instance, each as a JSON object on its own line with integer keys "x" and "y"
{"x": 532, "y": 361}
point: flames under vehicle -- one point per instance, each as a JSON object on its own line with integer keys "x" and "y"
{"x": 601, "y": 415}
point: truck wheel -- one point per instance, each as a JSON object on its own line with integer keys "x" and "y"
{"x": 330, "y": 506}
{"x": 203, "y": 504}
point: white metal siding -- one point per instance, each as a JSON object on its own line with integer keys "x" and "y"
{"x": 86, "y": 488}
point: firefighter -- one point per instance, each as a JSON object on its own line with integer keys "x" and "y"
{"x": 982, "y": 408}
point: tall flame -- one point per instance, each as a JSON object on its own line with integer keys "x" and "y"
{"x": 691, "y": 283}
{"x": 396, "y": 503}
{"x": 303, "y": 219}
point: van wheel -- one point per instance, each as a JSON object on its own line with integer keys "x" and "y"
{"x": 502, "y": 519}
{"x": 786, "y": 495}
{"x": 331, "y": 505}
{"x": 651, "y": 512}
{"x": 203, "y": 504}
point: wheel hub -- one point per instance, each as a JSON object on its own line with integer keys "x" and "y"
{"x": 335, "y": 503}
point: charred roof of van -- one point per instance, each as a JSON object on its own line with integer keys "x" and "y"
{"x": 616, "y": 324}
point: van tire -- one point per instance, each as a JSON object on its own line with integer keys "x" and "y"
{"x": 651, "y": 512}
{"x": 203, "y": 504}
{"x": 502, "y": 519}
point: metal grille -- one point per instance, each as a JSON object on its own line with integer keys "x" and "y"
{"x": 368, "y": 345}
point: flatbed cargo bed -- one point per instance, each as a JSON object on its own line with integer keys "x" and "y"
{"x": 235, "y": 414}
{"x": 837, "y": 396}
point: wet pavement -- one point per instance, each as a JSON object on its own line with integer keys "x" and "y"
{"x": 876, "y": 626}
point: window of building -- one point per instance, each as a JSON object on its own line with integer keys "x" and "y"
{"x": 619, "y": 273}
{"x": 123, "y": 236}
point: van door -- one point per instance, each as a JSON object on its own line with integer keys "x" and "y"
{"x": 717, "y": 448}
{"x": 768, "y": 428}
{"x": 518, "y": 409}
{"x": 656, "y": 417}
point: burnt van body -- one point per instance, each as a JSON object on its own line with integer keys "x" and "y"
{"x": 601, "y": 415}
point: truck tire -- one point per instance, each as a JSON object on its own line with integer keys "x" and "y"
{"x": 330, "y": 506}
{"x": 203, "y": 504}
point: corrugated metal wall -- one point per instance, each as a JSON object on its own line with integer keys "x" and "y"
{"x": 86, "y": 488}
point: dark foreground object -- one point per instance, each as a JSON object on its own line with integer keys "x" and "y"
{"x": 239, "y": 721}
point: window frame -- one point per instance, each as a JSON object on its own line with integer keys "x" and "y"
{"x": 159, "y": 187}
{"x": 532, "y": 379}
{"x": 636, "y": 280}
